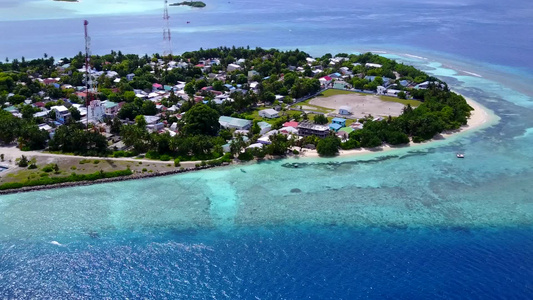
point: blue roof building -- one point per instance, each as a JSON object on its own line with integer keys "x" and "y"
{"x": 335, "y": 127}
{"x": 339, "y": 121}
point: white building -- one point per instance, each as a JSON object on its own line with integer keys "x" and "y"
{"x": 370, "y": 65}
{"x": 345, "y": 110}
{"x": 62, "y": 114}
{"x": 95, "y": 111}
{"x": 269, "y": 113}
{"x": 233, "y": 67}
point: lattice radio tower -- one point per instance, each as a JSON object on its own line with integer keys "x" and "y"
{"x": 88, "y": 79}
{"x": 166, "y": 32}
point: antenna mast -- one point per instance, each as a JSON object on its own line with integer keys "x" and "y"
{"x": 166, "y": 32}
{"x": 88, "y": 81}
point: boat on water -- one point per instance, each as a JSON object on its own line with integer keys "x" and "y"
{"x": 460, "y": 155}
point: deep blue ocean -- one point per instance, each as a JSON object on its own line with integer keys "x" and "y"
{"x": 277, "y": 263}
{"x": 412, "y": 223}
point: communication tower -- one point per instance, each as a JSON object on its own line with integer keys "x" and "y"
{"x": 167, "y": 39}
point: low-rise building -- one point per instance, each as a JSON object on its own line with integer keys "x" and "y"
{"x": 335, "y": 127}
{"x": 234, "y": 123}
{"x": 269, "y": 113}
{"x": 233, "y": 67}
{"x": 371, "y": 65}
{"x": 264, "y": 126}
{"x": 345, "y": 110}
{"x": 307, "y": 128}
{"x": 339, "y": 121}
{"x": 62, "y": 114}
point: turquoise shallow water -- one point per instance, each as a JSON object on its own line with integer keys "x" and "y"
{"x": 412, "y": 223}
{"x": 408, "y": 187}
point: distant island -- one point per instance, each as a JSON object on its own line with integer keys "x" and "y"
{"x": 66, "y": 0}
{"x": 189, "y": 3}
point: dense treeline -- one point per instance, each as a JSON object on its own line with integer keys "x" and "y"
{"x": 199, "y": 134}
{"x": 441, "y": 110}
{"x": 22, "y": 130}
{"x": 74, "y": 138}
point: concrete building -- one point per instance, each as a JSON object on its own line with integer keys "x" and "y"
{"x": 233, "y": 67}
{"x": 62, "y": 114}
{"x": 345, "y": 110}
{"x": 95, "y": 111}
{"x": 269, "y": 113}
{"x": 234, "y": 123}
{"x": 339, "y": 121}
{"x": 307, "y": 128}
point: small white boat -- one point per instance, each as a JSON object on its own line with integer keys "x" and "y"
{"x": 460, "y": 155}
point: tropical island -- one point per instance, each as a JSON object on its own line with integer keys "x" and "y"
{"x": 155, "y": 114}
{"x": 189, "y": 3}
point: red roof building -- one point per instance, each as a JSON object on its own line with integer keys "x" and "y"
{"x": 290, "y": 124}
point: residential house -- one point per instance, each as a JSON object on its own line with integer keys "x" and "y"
{"x": 371, "y": 65}
{"x": 404, "y": 82}
{"x": 292, "y": 124}
{"x": 357, "y": 125}
{"x": 269, "y": 113}
{"x": 111, "y": 108}
{"x": 325, "y": 80}
{"x": 62, "y": 114}
{"x": 264, "y": 126}
{"x": 344, "y": 132}
{"x": 157, "y": 87}
{"x": 252, "y": 73}
{"x": 129, "y": 77}
{"x": 392, "y": 92}
{"x": 339, "y": 121}
{"x": 233, "y": 67}
{"x": 345, "y": 71}
{"x": 335, "y": 127}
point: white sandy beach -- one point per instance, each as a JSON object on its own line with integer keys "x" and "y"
{"x": 480, "y": 117}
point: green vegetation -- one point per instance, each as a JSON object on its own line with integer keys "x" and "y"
{"x": 413, "y": 103}
{"x": 189, "y": 3}
{"x": 328, "y": 146}
{"x": 333, "y": 92}
{"x": 441, "y": 110}
{"x": 45, "y": 180}
{"x": 428, "y": 110}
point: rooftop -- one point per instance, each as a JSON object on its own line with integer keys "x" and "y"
{"x": 233, "y": 121}
{"x": 313, "y": 126}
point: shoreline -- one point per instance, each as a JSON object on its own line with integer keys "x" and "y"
{"x": 480, "y": 118}
{"x": 103, "y": 180}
